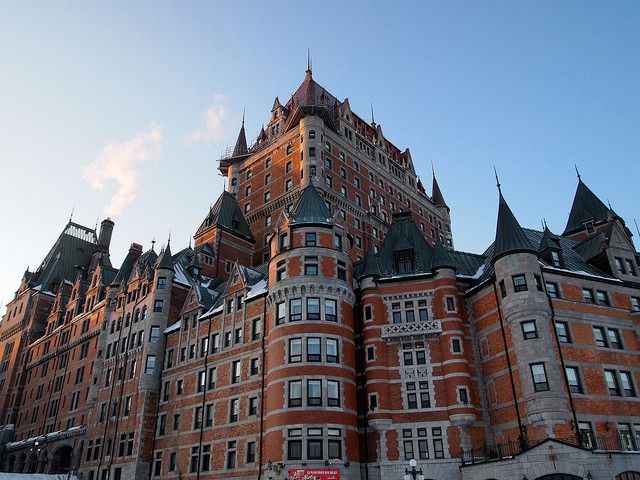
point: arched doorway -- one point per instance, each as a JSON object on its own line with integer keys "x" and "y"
{"x": 628, "y": 476}
{"x": 61, "y": 459}
{"x": 559, "y": 476}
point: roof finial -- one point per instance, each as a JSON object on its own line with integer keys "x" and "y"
{"x": 189, "y": 242}
{"x": 497, "y": 180}
{"x": 169, "y": 238}
{"x": 373, "y": 118}
{"x": 544, "y": 223}
{"x": 637, "y": 229}
{"x": 153, "y": 243}
{"x": 309, "y": 71}
{"x": 243, "y": 109}
{"x": 433, "y": 169}
{"x": 609, "y": 203}
{"x": 577, "y": 172}
{"x": 73, "y": 209}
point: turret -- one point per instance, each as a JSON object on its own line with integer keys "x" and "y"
{"x": 525, "y": 308}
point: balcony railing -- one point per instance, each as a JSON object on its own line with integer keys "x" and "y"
{"x": 397, "y": 330}
{"x": 507, "y": 450}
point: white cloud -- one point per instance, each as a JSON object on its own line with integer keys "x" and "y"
{"x": 215, "y": 127}
{"x": 120, "y": 162}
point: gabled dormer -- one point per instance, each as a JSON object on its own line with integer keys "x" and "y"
{"x": 550, "y": 249}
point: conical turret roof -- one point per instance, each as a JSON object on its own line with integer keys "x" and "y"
{"x": 510, "y": 238}
{"x": 548, "y": 240}
{"x": 436, "y": 194}
{"x": 441, "y": 257}
{"x": 241, "y": 142}
{"x": 166, "y": 259}
{"x": 586, "y": 206}
{"x": 310, "y": 208}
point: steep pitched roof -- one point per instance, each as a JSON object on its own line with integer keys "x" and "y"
{"x": 311, "y": 93}
{"x": 403, "y": 234}
{"x": 241, "y": 143}
{"x": 226, "y": 214}
{"x": 127, "y": 264}
{"x": 510, "y": 237}
{"x": 74, "y": 247}
{"x": 586, "y": 206}
{"x": 369, "y": 266}
{"x": 436, "y": 194}
{"x": 549, "y": 240}
{"x": 310, "y": 209}
{"x": 441, "y": 257}
{"x": 166, "y": 260}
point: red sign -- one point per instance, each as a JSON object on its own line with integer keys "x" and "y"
{"x": 314, "y": 474}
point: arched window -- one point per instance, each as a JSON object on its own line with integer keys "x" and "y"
{"x": 628, "y": 476}
{"x": 144, "y": 313}
{"x": 136, "y": 317}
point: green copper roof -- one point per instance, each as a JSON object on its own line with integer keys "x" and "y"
{"x": 310, "y": 208}
{"x": 549, "y": 240}
{"x": 441, "y": 257}
{"x": 586, "y": 206}
{"x": 226, "y": 214}
{"x": 370, "y": 266}
{"x": 404, "y": 235}
{"x": 510, "y": 237}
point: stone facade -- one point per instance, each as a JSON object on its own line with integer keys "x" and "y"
{"x": 322, "y": 319}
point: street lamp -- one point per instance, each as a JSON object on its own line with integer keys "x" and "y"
{"x": 413, "y": 474}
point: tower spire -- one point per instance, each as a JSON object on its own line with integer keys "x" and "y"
{"x": 309, "y": 70}
{"x": 373, "y": 118}
{"x": 577, "y": 172}
{"x": 243, "y": 110}
{"x": 495, "y": 172}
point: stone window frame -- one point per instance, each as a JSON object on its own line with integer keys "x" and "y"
{"x": 459, "y": 390}
{"x": 304, "y": 349}
{"x": 578, "y": 389}
{"x": 301, "y": 433}
{"x": 461, "y": 343}
{"x": 425, "y": 433}
{"x": 446, "y": 304}
{"x": 418, "y": 389}
{"x": 529, "y": 334}
{"x": 428, "y": 296}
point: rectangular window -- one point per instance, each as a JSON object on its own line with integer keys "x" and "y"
{"x": 503, "y": 289}
{"x": 158, "y": 305}
{"x": 208, "y": 415}
{"x": 587, "y": 294}
{"x": 162, "y": 283}
{"x": 586, "y": 435}
{"x": 313, "y": 308}
{"x": 330, "y": 310}
{"x": 253, "y": 367}
{"x": 314, "y": 392}
{"x": 456, "y": 345}
{"x": 451, "y": 304}
{"x": 635, "y": 304}
{"x": 154, "y": 333}
{"x": 539, "y": 376}
{"x": 294, "y": 449}
{"x": 295, "y": 393}
{"x": 310, "y": 239}
{"x": 251, "y": 452}
{"x": 253, "y": 406}
{"x": 519, "y": 283}
{"x": 314, "y": 449}
{"x": 313, "y": 349}
{"x": 150, "y": 366}
{"x": 598, "y": 334}
{"x": 295, "y": 309}
{"x": 197, "y": 418}
{"x": 231, "y": 454}
{"x": 529, "y": 330}
{"x": 368, "y": 314}
{"x": 552, "y": 290}
{"x": 602, "y": 297}
{"x": 280, "y": 312}
{"x": 631, "y": 267}
{"x": 614, "y": 338}
{"x": 612, "y": 382}
{"x": 295, "y": 350}
{"x": 627, "y": 384}
{"x": 573, "y": 378}
{"x": 332, "y": 350}
{"x": 333, "y": 393}
{"x": 311, "y": 265}
{"x": 234, "y": 410}
{"x": 235, "y": 371}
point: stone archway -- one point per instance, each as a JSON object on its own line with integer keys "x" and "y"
{"x": 61, "y": 459}
{"x": 559, "y": 476}
{"x": 628, "y": 476}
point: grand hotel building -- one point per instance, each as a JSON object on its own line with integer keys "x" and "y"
{"x": 323, "y": 324}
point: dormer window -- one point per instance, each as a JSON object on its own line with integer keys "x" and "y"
{"x": 589, "y": 227}
{"x": 556, "y": 258}
{"x": 404, "y": 261}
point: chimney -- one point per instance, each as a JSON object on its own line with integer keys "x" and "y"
{"x": 106, "y": 229}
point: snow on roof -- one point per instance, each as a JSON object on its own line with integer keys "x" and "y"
{"x": 256, "y": 290}
{"x": 173, "y": 328}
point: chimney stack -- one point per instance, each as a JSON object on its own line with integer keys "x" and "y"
{"x": 106, "y": 230}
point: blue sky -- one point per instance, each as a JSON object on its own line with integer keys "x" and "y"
{"x": 149, "y": 94}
